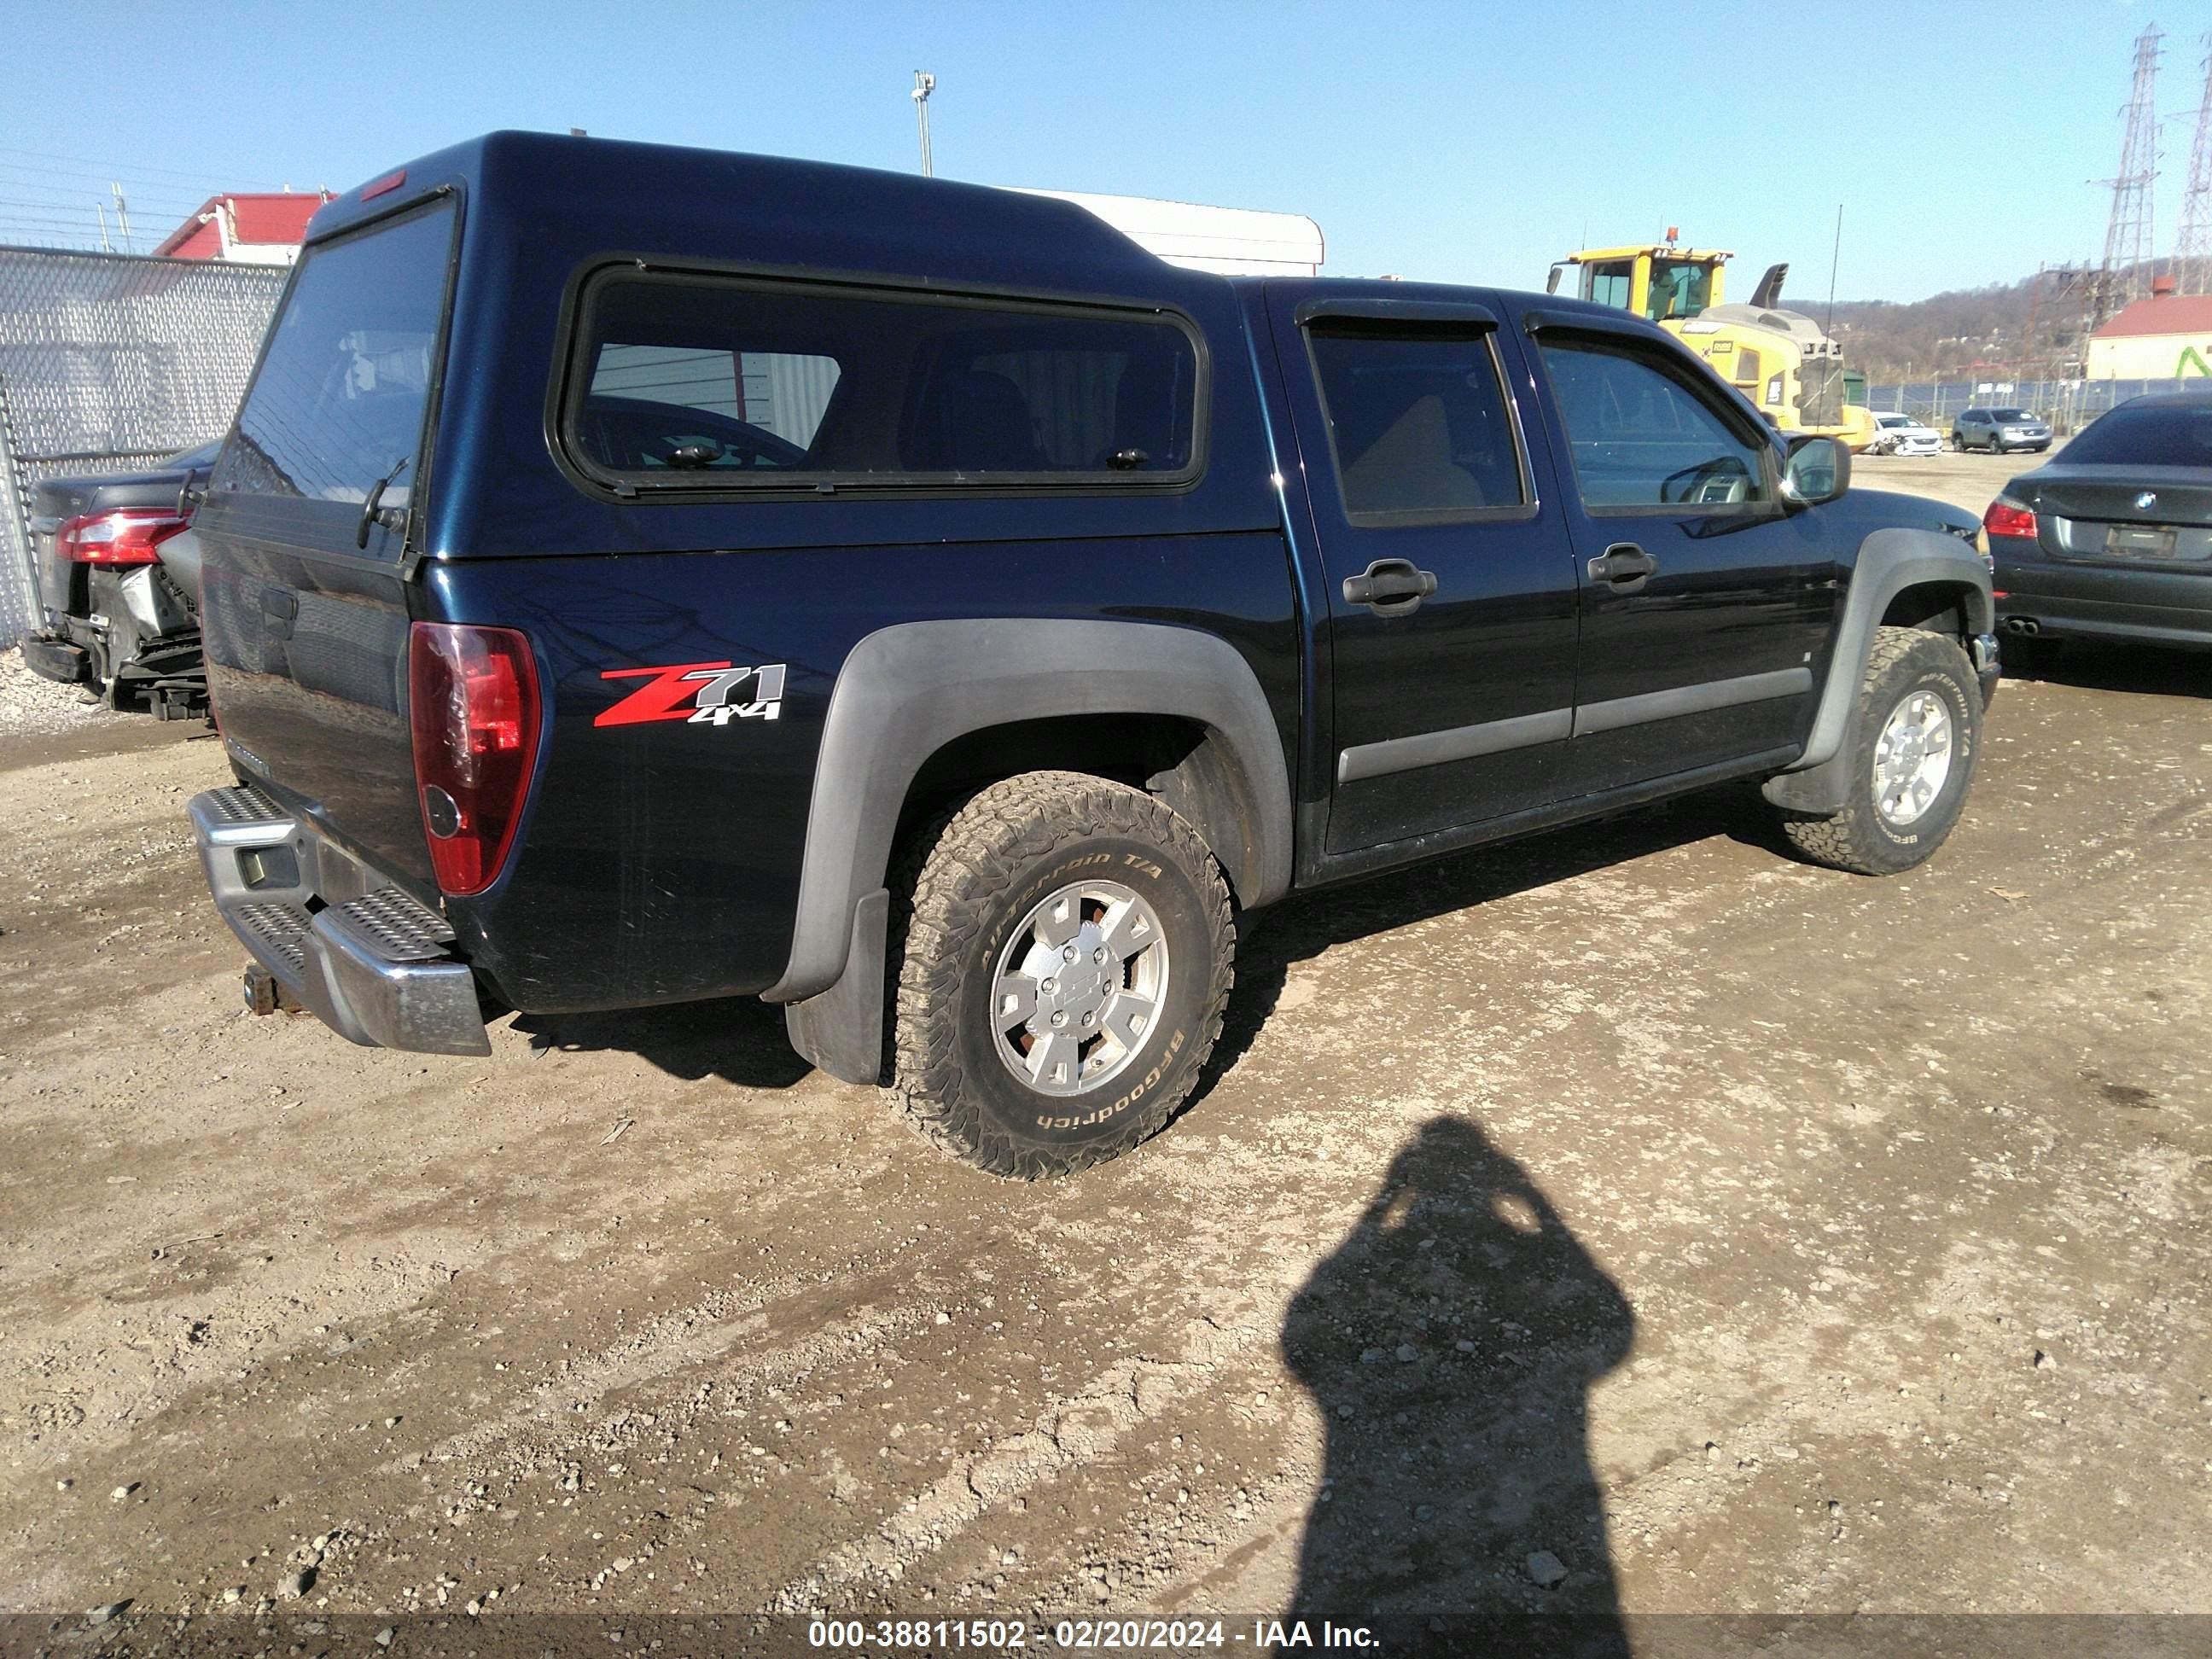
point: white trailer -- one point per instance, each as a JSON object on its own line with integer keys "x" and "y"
{"x": 1234, "y": 241}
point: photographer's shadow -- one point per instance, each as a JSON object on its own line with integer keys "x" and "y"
{"x": 1451, "y": 1342}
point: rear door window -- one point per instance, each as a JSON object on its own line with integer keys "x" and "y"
{"x": 700, "y": 382}
{"x": 1418, "y": 421}
{"x": 341, "y": 398}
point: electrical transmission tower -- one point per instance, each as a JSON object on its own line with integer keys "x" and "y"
{"x": 2192, "y": 254}
{"x": 2126, "y": 270}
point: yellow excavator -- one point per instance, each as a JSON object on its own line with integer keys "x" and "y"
{"x": 1783, "y": 360}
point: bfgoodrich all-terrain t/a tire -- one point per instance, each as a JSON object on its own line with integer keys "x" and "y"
{"x": 1919, "y": 729}
{"x": 1062, "y": 966}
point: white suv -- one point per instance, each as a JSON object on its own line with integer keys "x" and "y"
{"x": 1904, "y": 435}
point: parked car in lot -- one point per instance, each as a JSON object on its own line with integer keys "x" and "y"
{"x": 120, "y": 610}
{"x": 1999, "y": 430}
{"x": 1080, "y": 604}
{"x": 1898, "y": 433}
{"x": 2113, "y": 539}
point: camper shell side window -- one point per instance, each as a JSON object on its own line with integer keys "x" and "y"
{"x": 702, "y": 382}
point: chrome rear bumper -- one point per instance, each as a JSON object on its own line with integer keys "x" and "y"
{"x": 366, "y": 958}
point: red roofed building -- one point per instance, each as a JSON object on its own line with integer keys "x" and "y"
{"x": 2165, "y": 336}
{"x": 255, "y": 229}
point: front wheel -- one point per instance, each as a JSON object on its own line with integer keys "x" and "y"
{"x": 1919, "y": 727}
{"x": 1061, "y": 977}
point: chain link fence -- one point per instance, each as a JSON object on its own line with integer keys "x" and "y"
{"x": 2068, "y": 405}
{"x": 109, "y": 362}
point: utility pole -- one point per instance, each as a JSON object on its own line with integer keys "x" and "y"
{"x": 123, "y": 218}
{"x": 924, "y": 84}
{"x": 1835, "y": 258}
{"x": 2192, "y": 253}
{"x": 100, "y": 211}
{"x": 2128, "y": 233}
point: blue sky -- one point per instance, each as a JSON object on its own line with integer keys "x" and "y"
{"x": 1457, "y": 143}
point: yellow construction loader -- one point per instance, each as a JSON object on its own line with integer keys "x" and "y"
{"x": 1783, "y": 360}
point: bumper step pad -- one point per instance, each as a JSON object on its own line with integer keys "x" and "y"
{"x": 401, "y": 926}
{"x": 280, "y": 930}
{"x": 244, "y": 805}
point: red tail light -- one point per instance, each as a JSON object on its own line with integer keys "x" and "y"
{"x": 129, "y": 535}
{"x": 2007, "y": 518}
{"x": 472, "y": 699}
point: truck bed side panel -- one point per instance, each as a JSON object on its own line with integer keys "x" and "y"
{"x": 660, "y": 858}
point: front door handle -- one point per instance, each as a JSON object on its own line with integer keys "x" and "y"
{"x": 1624, "y": 568}
{"x": 1391, "y": 587}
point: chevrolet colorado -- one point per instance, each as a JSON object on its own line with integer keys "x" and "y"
{"x": 640, "y": 574}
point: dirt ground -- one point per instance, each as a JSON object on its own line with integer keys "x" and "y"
{"x": 1631, "y": 1220}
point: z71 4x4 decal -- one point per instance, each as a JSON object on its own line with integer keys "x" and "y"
{"x": 703, "y": 693}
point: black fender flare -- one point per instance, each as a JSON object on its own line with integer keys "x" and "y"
{"x": 906, "y": 691}
{"x": 1889, "y": 562}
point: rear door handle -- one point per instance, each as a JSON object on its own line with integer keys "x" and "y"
{"x": 1390, "y": 588}
{"x": 1624, "y": 568}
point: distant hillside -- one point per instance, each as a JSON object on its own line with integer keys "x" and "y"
{"x": 1948, "y": 336}
{"x": 1934, "y": 338}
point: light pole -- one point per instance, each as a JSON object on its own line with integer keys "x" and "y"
{"x": 924, "y": 84}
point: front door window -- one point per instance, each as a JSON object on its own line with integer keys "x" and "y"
{"x": 1640, "y": 437}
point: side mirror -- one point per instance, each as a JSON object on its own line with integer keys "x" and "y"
{"x": 1818, "y": 470}
{"x": 1552, "y": 285}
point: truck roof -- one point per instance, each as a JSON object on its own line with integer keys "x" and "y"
{"x": 766, "y": 209}
{"x": 693, "y": 205}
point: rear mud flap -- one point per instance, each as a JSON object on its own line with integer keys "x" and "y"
{"x": 841, "y": 1030}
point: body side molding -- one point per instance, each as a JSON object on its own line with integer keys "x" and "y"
{"x": 1375, "y": 760}
{"x": 1699, "y": 699}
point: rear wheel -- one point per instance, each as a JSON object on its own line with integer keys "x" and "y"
{"x": 1912, "y": 758}
{"x": 1061, "y": 976}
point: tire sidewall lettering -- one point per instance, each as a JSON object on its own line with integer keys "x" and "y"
{"x": 1106, "y": 1114}
{"x": 1120, "y": 864}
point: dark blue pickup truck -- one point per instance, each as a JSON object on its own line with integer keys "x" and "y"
{"x": 642, "y": 575}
